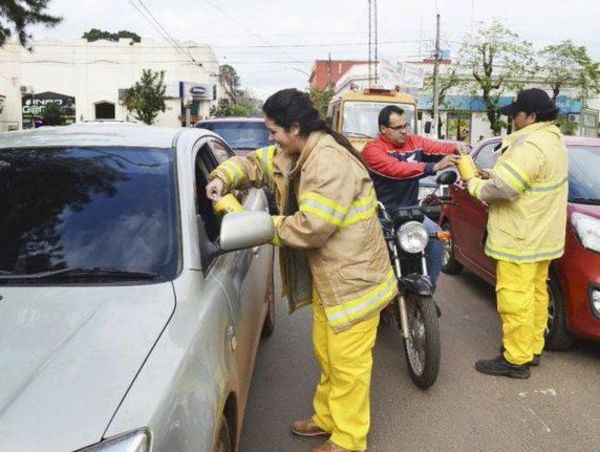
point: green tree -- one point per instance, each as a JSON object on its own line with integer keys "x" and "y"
{"x": 500, "y": 62}
{"x": 96, "y": 34}
{"x": 320, "y": 99}
{"x": 53, "y": 114}
{"x": 237, "y": 101}
{"x": 225, "y": 109}
{"x": 146, "y": 98}
{"x": 17, "y": 15}
{"x": 569, "y": 64}
{"x": 446, "y": 82}
{"x": 230, "y": 82}
{"x": 566, "y": 127}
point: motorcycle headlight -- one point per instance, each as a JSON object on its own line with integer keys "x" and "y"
{"x": 413, "y": 237}
{"x": 588, "y": 230}
{"x": 136, "y": 441}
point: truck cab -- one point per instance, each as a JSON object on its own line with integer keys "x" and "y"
{"x": 354, "y": 113}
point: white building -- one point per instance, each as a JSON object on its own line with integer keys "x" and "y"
{"x": 96, "y": 74}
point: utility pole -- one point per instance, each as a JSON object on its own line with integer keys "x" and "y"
{"x": 373, "y": 57}
{"x": 436, "y": 82}
{"x": 370, "y": 34}
{"x": 329, "y": 84}
{"x": 376, "y": 39}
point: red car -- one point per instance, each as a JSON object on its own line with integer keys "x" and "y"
{"x": 574, "y": 282}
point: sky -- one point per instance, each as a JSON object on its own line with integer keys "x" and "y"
{"x": 273, "y": 44}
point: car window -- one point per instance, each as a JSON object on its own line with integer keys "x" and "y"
{"x": 209, "y": 224}
{"x": 72, "y": 208}
{"x": 486, "y": 157}
{"x": 584, "y": 162}
{"x": 221, "y": 151}
{"x": 240, "y": 134}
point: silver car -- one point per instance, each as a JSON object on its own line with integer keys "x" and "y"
{"x": 125, "y": 323}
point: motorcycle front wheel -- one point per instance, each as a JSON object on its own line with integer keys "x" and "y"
{"x": 422, "y": 347}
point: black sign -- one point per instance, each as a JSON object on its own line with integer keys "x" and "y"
{"x": 33, "y": 106}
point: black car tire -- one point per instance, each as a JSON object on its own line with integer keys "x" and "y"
{"x": 224, "y": 440}
{"x": 557, "y": 335}
{"x": 450, "y": 265}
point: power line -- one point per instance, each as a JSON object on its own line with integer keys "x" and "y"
{"x": 149, "y": 17}
{"x": 165, "y": 30}
{"x": 242, "y": 25}
{"x": 318, "y": 45}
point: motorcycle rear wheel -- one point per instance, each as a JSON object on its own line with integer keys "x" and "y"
{"x": 422, "y": 348}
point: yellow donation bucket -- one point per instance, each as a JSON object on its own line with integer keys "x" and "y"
{"x": 227, "y": 204}
{"x": 466, "y": 167}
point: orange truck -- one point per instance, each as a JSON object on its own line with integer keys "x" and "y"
{"x": 354, "y": 113}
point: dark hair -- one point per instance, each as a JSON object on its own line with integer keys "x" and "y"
{"x": 547, "y": 115}
{"x": 291, "y": 105}
{"x": 386, "y": 112}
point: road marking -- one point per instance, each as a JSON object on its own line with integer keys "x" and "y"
{"x": 529, "y": 410}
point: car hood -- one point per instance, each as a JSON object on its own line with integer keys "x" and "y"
{"x": 587, "y": 209}
{"x": 68, "y": 356}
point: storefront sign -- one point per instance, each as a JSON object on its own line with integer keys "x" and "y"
{"x": 33, "y": 106}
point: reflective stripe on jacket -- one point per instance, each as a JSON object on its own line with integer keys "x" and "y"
{"x": 527, "y": 194}
{"x": 329, "y": 226}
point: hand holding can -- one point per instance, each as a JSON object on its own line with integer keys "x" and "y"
{"x": 227, "y": 204}
{"x": 466, "y": 167}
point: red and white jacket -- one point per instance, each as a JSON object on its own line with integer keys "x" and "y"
{"x": 397, "y": 168}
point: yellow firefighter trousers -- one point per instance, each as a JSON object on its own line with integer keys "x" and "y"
{"x": 523, "y": 307}
{"x": 341, "y": 400}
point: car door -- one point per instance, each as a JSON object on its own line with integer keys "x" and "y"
{"x": 250, "y": 275}
{"x": 471, "y": 230}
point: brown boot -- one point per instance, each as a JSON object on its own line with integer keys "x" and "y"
{"x": 307, "y": 428}
{"x": 330, "y": 447}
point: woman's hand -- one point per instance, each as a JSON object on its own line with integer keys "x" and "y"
{"x": 214, "y": 189}
{"x": 483, "y": 174}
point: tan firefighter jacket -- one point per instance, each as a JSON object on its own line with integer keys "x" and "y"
{"x": 329, "y": 231}
{"x": 527, "y": 193}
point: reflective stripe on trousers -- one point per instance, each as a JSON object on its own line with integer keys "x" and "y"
{"x": 341, "y": 400}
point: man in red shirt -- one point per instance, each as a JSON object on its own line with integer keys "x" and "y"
{"x": 397, "y": 160}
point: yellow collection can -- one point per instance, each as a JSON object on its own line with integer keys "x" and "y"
{"x": 466, "y": 167}
{"x": 227, "y": 204}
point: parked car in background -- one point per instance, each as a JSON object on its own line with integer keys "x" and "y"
{"x": 242, "y": 134}
{"x": 125, "y": 325}
{"x": 574, "y": 282}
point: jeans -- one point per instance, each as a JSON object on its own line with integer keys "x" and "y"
{"x": 434, "y": 252}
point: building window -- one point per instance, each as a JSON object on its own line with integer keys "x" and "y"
{"x": 105, "y": 110}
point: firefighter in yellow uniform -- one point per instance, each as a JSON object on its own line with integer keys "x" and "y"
{"x": 332, "y": 256}
{"x": 527, "y": 196}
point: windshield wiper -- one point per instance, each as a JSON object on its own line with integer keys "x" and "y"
{"x": 594, "y": 201}
{"x": 360, "y": 134}
{"x": 83, "y": 272}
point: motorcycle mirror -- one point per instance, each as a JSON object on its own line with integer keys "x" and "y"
{"x": 446, "y": 178}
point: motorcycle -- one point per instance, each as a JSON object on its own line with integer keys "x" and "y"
{"x": 413, "y": 309}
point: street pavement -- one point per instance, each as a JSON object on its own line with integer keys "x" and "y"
{"x": 558, "y": 408}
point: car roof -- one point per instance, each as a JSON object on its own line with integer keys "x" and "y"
{"x": 98, "y": 134}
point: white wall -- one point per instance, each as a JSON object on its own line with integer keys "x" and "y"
{"x": 94, "y": 72}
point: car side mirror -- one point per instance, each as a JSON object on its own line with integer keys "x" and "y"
{"x": 241, "y": 230}
{"x": 446, "y": 178}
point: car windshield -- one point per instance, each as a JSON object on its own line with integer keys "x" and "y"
{"x": 240, "y": 134}
{"x": 361, "y": 118}
{"x": 74, "y": 212}
{"x": 584, "y": 183}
